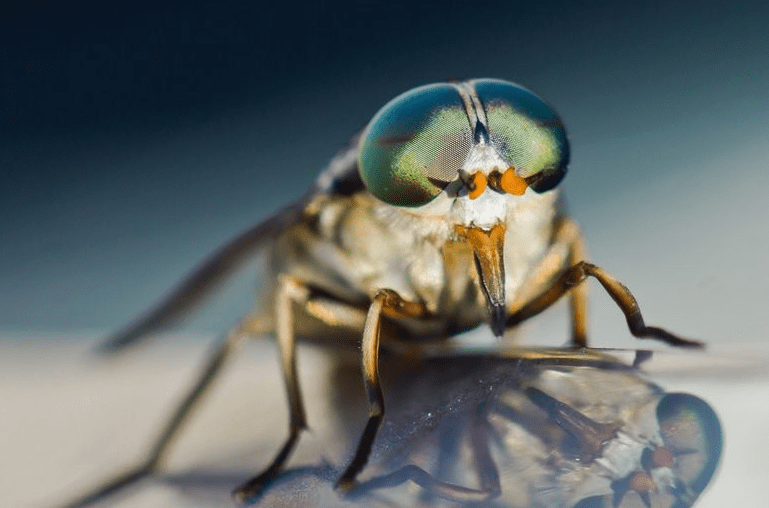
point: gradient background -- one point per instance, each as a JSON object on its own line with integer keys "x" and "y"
{"x": 136, "y": 138}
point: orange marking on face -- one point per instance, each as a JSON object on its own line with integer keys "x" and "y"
{"x": 512, "y": 183}
{"x": 662, "y": 457}
{"x": 477, "y": 185}
{"x": 642, "y": 482}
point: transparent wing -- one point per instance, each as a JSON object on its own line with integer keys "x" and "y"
{"x": 205, "y": 279}
{"x": 340, "y": 176}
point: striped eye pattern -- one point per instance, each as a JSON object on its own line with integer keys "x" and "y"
{"x": 418, "y": 143}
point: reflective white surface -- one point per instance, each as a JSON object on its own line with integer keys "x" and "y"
{"x": 69, "y": 421}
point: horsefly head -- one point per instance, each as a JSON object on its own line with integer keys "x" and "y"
{"x": 468, "y": 153}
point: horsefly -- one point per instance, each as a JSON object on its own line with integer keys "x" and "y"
{"x": 444, "y": 214}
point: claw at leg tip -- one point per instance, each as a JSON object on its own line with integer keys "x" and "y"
{"x": 498, "y": 319}
{"x": 345, "y": 485}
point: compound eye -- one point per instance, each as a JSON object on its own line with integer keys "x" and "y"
{"x": 692, "y": 433}
{"x": 526, "y": 132}
{"x": 414, "y": 146}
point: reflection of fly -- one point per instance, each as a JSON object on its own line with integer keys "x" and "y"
{"x": 442, "y": 216}
{"x": 530, "y": 428}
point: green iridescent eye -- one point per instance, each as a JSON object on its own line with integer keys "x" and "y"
{"x": 415, "y": 145}
{"x": 526, "y": 132}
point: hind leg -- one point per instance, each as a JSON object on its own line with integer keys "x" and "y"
{"x": 154, "y": 460}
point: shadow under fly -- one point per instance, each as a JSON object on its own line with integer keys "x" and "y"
{"x": 443, "y": 215}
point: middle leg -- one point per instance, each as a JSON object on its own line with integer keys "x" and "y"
{"x": 329, "y": 311}
{"x": 567, "y": 249}
{"x": 621, "y": 295}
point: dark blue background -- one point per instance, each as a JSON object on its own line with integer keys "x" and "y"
{"x": 136, "y": 137}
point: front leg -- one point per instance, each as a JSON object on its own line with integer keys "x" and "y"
{"x": 575, "y": 276}
{"x": 567, "y": 249}
{"x": 388, "y": 302}
{"x": 336, "y": 314}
